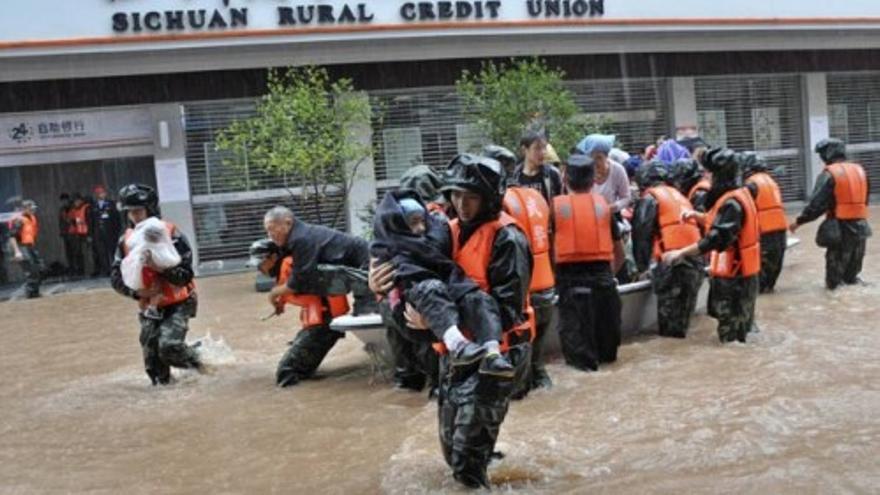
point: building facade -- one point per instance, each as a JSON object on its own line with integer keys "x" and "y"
{"x": 114, "y": 92}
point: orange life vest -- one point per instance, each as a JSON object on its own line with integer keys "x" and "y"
{"x": 703, "y": 185}
{"x": 311, "y": 307}
{"x": 744, "y": 257}
{"x": 583, "y": 228}
{"x": 850, "y": 191}
{"x": 30, "y": 228}
{"x": 474, "y": 258}
{"x": 675, "y": 233}
{"x": 532, "y": 214}
{"x": 171, "y": 294}
{"x": 78, "y": 218}
{"x": 771, "y": 215}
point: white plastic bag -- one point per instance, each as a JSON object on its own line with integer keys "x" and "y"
{"x": 148, "y": 236}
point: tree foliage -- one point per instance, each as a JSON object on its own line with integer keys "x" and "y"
{"x": 304, "y": 128}
{"x": 506, "y": 99}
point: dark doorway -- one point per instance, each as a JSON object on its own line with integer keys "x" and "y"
{"x": 45, "y": 183}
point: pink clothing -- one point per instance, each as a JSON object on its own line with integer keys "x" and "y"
{"x": 615, "y": 189}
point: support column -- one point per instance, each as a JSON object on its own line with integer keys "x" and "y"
{"x": 172, "y": 178}
{"x": 816, "y": 127}
{"x": 362, "y": 195}
{"x": 683, "y": 100}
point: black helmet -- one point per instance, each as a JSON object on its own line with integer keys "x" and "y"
{"x": 751, "y": 163}
{"x": 651, "y": 174}
{"x": 831, "y": 150}
{"x": 260, "y": 250}
{"x": 503, "y": 155}
{"x": 423, "y": 180}
{"x": 138, "y": 196}
{"x": 580, "y": 171}
{"x": 724, "y": 167}
{"x": 685, "y": 172}
{"x": 478, "y": 174}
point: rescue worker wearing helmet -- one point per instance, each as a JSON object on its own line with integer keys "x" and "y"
{"x": 588, "y": 251}
{"x": 691, "y": 180}
{"x": 771, "y": 216}
{"x": 733, "y": 239}
{"x": 315, "y": 338}
{"x": 492, "y": 250}
{"x": 532, "y": 211}
{"x": 415, "y": 362}
{"x": 657, "y": 229}
{"x": 163, "y": 339}
{"x": 841, "y": 194}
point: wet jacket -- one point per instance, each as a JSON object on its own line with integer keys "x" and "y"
{"x": 822, "y": 201}
{"x": 311, "y": 245}
{"x": 532, "y": 214}
{"x": 178, "y": 276}
{"x": 768, "y": 199}
{"x": 583, "y": 229}
{"x": 25, "y": 228}
{"x": 314, "y": 310}
{"x": 495, "y": 254}
{"x": 416, "y": 257}
{"x": 78, "y": 218}
{"x": 657, "y": 225}
{"x": 697, "y": 194}
{"x": 733, "y": 236}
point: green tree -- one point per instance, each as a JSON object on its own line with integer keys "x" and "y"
{"x": 305, "y": 128}
{"x": 504, "y": 100}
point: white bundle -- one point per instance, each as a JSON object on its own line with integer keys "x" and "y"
{"x": 148, "y": 236}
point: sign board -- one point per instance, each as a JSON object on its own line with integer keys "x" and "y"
{"x": 46, "y": 25}
{"x": 68, "y": 130}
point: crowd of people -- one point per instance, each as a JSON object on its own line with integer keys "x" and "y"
{"x": 473, "y": 267}
{"x": 89, "y": 226}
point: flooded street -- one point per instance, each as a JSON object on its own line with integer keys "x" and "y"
{"x": 795, "y": 410}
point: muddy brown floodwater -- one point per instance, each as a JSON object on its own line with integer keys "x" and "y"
{"x": 795, "y": 410}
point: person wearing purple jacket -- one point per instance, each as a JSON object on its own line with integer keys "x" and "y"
{"x": 670, "y": 152}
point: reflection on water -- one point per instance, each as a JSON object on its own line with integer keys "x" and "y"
{"x": 792, "y": 410}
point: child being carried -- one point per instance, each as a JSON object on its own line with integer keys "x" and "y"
{"x": 417, "y": 244}
{"x": 150, "y": 251}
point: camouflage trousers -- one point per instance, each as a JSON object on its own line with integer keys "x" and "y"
{"x": 415, "y": 362}
{"x": 732, "y": 303}
{"x": 772, "y": 255}
{"x": 676, "y": 292}
{"x": 305, "y": 354}
{"x": 33, "y": 270}
{"x": 163, "y": 342}
{"x": 471, "y": 408}
{"x": 844, "y": 262}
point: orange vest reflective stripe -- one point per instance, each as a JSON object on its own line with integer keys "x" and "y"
{"x": 30, "y": 228}
{"x": 674, "y": 232}
{"x": 702, "y": 185}
{"x": 743, "y": 258}
{"x": 171, "y": 294}
{"x": 771, "y": 214}
{"x": 850, "y": 191}
{"x": 583, "y": 228}
{"x": 532, "y": 214}
{"x": 474, "y": 258}
{"x": 78, "y": 217}
{"x": 311, "y": 307}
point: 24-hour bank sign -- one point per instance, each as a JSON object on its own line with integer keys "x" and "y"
{"x": 48, "y": 23}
